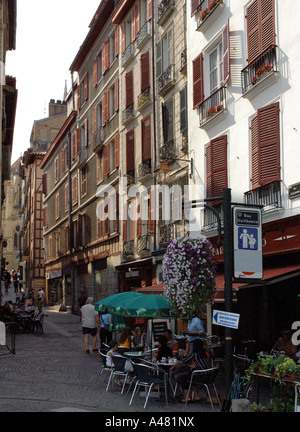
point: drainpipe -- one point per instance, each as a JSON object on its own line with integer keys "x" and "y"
{"x": 154, "y": 114}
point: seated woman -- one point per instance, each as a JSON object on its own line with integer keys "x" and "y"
{"x": 125, "y": 338}
{"x": 163, "y": 349}
{"x": 138, "y": 337}
{"x": 199, "y": 359}
{"x": 113, "y": 351}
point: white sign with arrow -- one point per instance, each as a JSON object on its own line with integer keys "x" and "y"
{"x": 226, "y": 319}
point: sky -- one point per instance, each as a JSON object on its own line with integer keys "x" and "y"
{"x": 49, "y": 35}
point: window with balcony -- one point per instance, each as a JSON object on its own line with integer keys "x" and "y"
{"x": 212, "y": 79}
{"x": 84, "y": 181}
{"x": 111, "y": 155}
{"x": 261, "y": 69}
{"x": 206, "y": 12}
{"x": 145, "y": 166}
{"x": 144, "y": 97}
{"x": 165, "y": 70}
{"x": 128, "y": 111}
{"x": 167, "y": 150}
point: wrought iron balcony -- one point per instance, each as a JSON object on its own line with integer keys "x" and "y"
{"x": 143, "y": 35}
{"x": 207, "y": 9}
{"x": 143, "y": 244}
{"x": 212, "y": 106}
{"x": 268, "y": 196}
{"x": 128, "y": 248}
{"x": 183, "y": 59}
{"x": 144, "y": 99}
{"x": 82, "y": 157}
{"x": 128, "y": 114}
{"x": 98, "y": 140}
{"x": 166, "y": 80}
{"x": 165, "y": 234}
{"x": 210, "y": 221}
{"x": 165, "y": 8}
{"x": 145, "y": 169}
{"x": 167, "y": 151}
{"x": 260, "y": 68}
{"x": 128, "y": 54}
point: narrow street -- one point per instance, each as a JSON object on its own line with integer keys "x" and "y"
{"x": 52, "y": 372}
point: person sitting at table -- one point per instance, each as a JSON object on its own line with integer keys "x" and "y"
{"x": 163, "y": 349}
{"x": 125, "y": 338}
{"x": 197, "y": 360}
{"x": 38, "y": 316}
{"x": 173, "y": 344}
{"x": 139, "y": 337}
{"x": 285, "y": 344}
{"x": 30, "y": 308}
{"x": 113, "y": 351}
{"x": 6, "y": 312}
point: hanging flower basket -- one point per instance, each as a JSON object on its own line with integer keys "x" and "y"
{"x": 189, "y": 272}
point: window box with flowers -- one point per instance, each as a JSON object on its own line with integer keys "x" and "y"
{"x": 266, "y": 69}
{"x": 208, "y": 12}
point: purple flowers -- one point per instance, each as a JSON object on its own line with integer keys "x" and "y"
{"x": 189, "y": 271}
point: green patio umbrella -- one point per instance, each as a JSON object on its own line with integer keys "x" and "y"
{"x": 136, "y": 305}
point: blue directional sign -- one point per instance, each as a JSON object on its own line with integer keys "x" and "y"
{"x": 226, "y": 319}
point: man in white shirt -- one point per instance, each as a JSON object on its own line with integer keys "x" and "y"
{"x": 89, "y": 320}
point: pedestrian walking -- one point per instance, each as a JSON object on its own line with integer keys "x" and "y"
{"x": 81, "y": 302}
{"x": 105, "y": 331}
{"x": 40, "y": 296}
{"x": 90, "y": 321}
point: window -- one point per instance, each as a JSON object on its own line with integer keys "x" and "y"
{"x": 216, "y": 68}
{"x": 73, "y": 146}
{"x": 112, "y": 107}
{"x": 129, "y": 88}
{"x": 111, "y": 155}
{"x": 145, "y": 71}
{"x": 83, "y": 181}
{"x": 84, "y": 134}
{"x": 97, "y": 69}
{"x": 83, "y": 91}
{"x": 167, "y": 120}
{"x": 57, "y": 242}
{"x": 183, "y": 109}
{"x": 74, "y": 189}
{"x": 64, "y": 158}
{"x": 112, "y": 45}
{"x": 45, "y": 216}
{"x": 265, "y": 146}
{"x": 165, "y": 55}
{"x": 50, "y": 248}
{"x": 66, "y": 197}
{"x": 57, "y": 206}
{"x": 100, "y": 167}
{"x": 56, "y": 174}
{"x": 130, "y": 162}
{"x": 216, "y": 167}
{"x": 146, "y": 139}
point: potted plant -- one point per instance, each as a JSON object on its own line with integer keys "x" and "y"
{"x": 211, "y": 111}
{"x": 203, "y": 14}
{"x": 287, "y": 368}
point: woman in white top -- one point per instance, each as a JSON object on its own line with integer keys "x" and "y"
{"x": 113, "y": 350}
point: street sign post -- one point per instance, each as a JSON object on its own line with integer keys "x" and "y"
{"x": 226, "y": 319}
{"x": 247, "y": 243}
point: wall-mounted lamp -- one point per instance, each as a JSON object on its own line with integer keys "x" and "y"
{"x": 165, "y": 170}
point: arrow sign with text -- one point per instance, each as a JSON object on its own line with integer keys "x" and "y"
{"x": 226, "y": 319}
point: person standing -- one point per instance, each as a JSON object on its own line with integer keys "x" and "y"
{"x": 81, "y": 302}
{"x": 195, "y": 329}
{"x": 89, "y": 320}
{"x": 105, "y": 332}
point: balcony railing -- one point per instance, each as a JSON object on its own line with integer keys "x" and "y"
{"x": 144, "y": 169}
{"x": 213, "y": 105}
{"x": 143, "y": 35}
{"x": 128, "y": 248}
{"x": 210, "y": 220}
{"x": 166, "y": 80}
{"x": 144, "y": 99}
{"x": 167, "y": 151}
{"x": 259, "y": 68}
{"x": 98, "y": 139}
{"x": 268, "y": 196}
{"x": 127, "y": 54}
{"x": 82, "y": 157}
{"x": 143, "y": 244}
{"x": 205, "y": 10}
{"x": 128, "y": 114}
{"x": 165, "y": 9}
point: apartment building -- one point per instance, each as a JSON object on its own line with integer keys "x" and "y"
{"x": 243, "y": 72}
{"x": 43, "y": 133}
{"x": 8, "y": 98}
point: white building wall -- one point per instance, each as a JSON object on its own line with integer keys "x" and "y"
{"x": 241, "y": 109}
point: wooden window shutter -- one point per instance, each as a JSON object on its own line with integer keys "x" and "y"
{"x": 66, "y": 196}
{"x": 159, "y": 64}
{"x": 194, "y": 6}
{"x": 183, "y": 109}
{"x": 105, "y": 107}
{"x": 198, "y": 95}
{"x": 117, "y": 94}
{"x": 86, "y": 83}
{"x": 116, "y": 40}
{"x": 145, "y": 71}
{"x": 265, "y": 146}
{"x": 95, "y": 119}
{"x": 216, "y": 167}
{"x": 117, "y": 150}
{"x": 106, "y": 54}
{"x": 124, "y": 228}
{"x": 86, "y": 137}
{"x": 149, "y": 9}
{"x": 103, "y": 58}
{"x": 137, "y": 18}
{"x": 226, "y": 53}
{"x": 56, "y": 168}
{"x": 78, "y": 139}
{"x": 79, "y": 96}
{"x": 95, "y": 71}
{"x": 129, "y": 88}
{"x": 133, "y": 22}
{"x": 63, "y": 159}
{"x": 106, "y": 159}
{"x": 146, "y": 139}
{"x": 151, "y": 214}
{"x": 44, "y": 181}
{"x": 130, "y": 151}
{"x": 260, "y": 27}
{"x": 123, "y": 37}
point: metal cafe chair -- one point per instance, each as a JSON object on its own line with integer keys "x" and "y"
{"x": 104, "y": 368}
{"x": 147, "y": 377}
{"x": 205, "y": 378}
{"x": 118, "y": 370}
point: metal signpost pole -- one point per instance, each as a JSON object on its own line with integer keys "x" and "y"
{"x": 228, "y": 272}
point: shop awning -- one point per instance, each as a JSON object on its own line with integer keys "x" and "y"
{"x": 153, "y": 289}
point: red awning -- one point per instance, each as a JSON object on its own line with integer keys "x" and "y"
{"x": 153, "y": 289}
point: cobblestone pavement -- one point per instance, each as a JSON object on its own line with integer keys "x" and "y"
{"x": 52, "y": 372}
